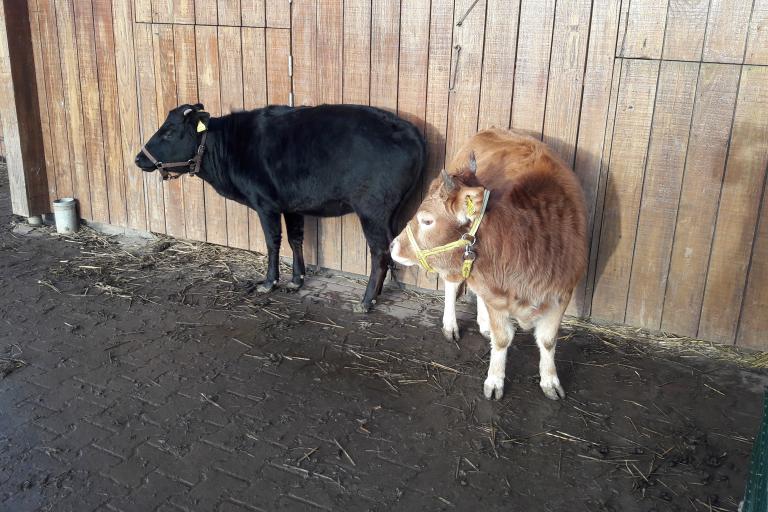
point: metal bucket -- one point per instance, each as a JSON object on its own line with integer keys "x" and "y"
{"x": 65, "y": 215}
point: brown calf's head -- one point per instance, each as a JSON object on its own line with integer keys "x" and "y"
{"x": 445, "y": 214}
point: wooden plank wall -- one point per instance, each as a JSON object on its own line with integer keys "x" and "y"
{"x": 661, "y": 108}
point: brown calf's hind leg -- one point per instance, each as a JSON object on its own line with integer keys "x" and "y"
{"x": 545, "y": 330}
{"x": 502, "y": 333}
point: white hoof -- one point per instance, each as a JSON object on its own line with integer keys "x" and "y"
{"x": 451, "y": 332}
{"x": 494, "y": 386}
{"x": 552, "y": 388}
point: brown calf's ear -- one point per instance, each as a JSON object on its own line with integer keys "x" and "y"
{"x": 469, "y": 203}
{"x": 448, "y": 184}
{"x": 472, "y": 162}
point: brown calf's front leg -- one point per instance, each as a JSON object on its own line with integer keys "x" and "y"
{"x": 450, "y": 324}
{"x": 502, "y": 333}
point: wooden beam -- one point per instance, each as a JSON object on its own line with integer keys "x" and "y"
{"x": 20, "y": 112}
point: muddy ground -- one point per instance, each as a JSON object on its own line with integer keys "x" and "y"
{"x": 146, "y": 376}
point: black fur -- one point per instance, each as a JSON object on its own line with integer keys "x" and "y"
{"x": 325, "y": 161}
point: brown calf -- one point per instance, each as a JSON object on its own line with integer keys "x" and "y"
{"x": 530, "y": 245}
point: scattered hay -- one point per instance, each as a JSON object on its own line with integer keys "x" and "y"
{"x": 225, "y": 275}
{"x": 622, "y": 336}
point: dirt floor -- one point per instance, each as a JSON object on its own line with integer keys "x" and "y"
{"x": 143, "y": 375}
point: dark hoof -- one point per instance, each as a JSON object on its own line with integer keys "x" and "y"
{"x": 362, "y": 307}
{"x": 266, "y": 287}
{"x": 295, "y": 284}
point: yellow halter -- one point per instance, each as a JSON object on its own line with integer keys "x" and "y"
{"x": 467, "y": 242}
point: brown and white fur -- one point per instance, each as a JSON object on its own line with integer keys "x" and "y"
{"x": 531, "y": 244}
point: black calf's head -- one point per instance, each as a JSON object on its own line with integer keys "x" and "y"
{"x": 177, "y": 139}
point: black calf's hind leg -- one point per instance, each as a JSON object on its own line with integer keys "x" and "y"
{"x": 294, "y": 224}
{"x": 270, "y": 224}
{"x": 378, "y": 240}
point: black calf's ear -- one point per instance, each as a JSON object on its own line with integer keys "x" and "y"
{"x": 199, "y": 106}
{"x": 202, "y": 121}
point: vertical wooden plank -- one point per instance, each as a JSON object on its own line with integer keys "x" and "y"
{"x": 498, "y": 64}
{"x": 696, "y": 216}
{"x": 73, "y": 105}
{"x": 91, "y": 105}
{"x": 253, "y": 13}
{"x": 143, "y": 11}
{"x": 128, "y": 104}
{"x": 162, "y": 11}
{"x": 634, "y": 113}
{"x": 330, "y": 45}
{"x": 19, "y": 109}
{"x": 356, "y": 76}
{"x": 727, "y": 31}
{"x": 438, "y": 78}
{"x": 54, "y": 89}
{"x": 465, "y": 96}
{"x": 412, "y": 92}
{"x": 110, "y": 110}
{"x": 757, "y": 39}
{"x": 598, "y": 75}
{"x": 566, "y": 76}
{"x": 686, "y": 24}
{"x": 739, "y": 203}
{"x": 149, "y": 121}
{"x": 278, "y": 47}
{"x": 754, "y": 321}
{"x": 186, "y": 88}
{"x": 206, "y": 12}
{"x": 643, "y": 36}
{"x": 304, "y": 50}
{"x": 208, "y": 80}
{"x": 255, "y": 96}
{"x": 600, "y": 192}
{"x": 534, "y": 41}
{"x": 42, "y": 101}
{"x": 661, "y": 192}
{"x": 231, "y": 70}
{"x": 165, "y": 82}
{"x": 229, "y": 12}
{"x": 278, "y": 14}
{"x": 385, "y": 41}
{"x": 184, "y": 12}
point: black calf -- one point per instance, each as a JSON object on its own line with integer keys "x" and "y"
{"x": 325, "y": 161}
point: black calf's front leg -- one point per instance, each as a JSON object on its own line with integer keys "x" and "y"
{"x": 270, "y": 224}
{"x": 294, "y": 224}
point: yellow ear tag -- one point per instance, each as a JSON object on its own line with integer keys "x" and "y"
{"x": 200, "y": 127}
{"x": 470, "y": 206}
{"x": 466, "y": 268}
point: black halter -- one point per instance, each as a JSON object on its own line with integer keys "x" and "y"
{"x": 193, "y": 164}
